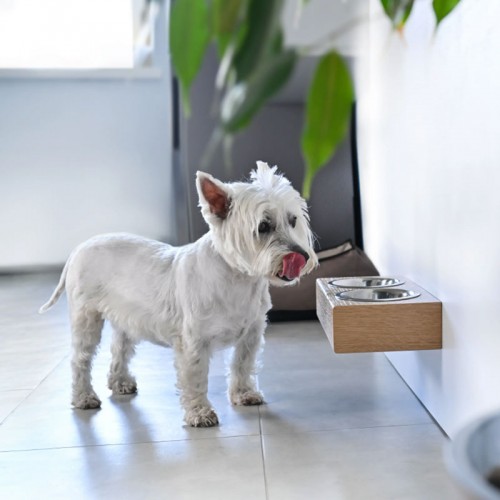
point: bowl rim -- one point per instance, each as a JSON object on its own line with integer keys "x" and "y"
{"x": 459, "y": 465}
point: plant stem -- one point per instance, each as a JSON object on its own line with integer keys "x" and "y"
{"x": 306, "y": 185}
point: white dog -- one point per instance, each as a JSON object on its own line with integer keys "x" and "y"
{"x": 196, "y": 298}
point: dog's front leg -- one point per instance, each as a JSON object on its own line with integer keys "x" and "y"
{"x": 242, "y": 385}
{"x": 192, "y": 363}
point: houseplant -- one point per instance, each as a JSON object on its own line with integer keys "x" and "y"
{"x": 254, "y": 64}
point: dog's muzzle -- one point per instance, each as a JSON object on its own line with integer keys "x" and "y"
{"x": 292, "y": 265}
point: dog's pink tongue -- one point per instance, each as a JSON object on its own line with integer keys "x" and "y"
{"x": 292, "y": 265}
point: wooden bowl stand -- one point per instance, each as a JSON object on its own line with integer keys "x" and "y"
{"x": 403, "y": 325}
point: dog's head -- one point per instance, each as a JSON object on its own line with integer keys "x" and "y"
{"x": 259, "y": 227}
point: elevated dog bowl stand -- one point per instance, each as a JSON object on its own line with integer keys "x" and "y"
{"x": 402, "y": 318}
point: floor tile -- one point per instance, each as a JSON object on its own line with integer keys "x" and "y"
{"x": 218, "y": 469}
{"x": 311, "y": 388}
{"x": 26, "y": 371}
{"x": 46, "y": 419}
{"x": 32, "y": 345}
{"x": 334, "y": 426}
{"x": 400, "y": 463}
{"x": 9, "y": 400}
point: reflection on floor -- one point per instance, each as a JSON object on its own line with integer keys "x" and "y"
{"x": 334, "y": 426}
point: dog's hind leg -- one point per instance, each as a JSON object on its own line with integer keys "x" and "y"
{"x": 192, "y": 364}
{"x": 86, "y": 328}
{"x": 120, "y": 380}
{"x": 242, "y": 384}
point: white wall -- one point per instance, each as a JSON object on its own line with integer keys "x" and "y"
{"x": 320, "y": 25}
{"x": 430, "y": 177}
{"x": 80, "y": 157}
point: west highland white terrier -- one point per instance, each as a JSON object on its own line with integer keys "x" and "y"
{"x": 206, "y": 295}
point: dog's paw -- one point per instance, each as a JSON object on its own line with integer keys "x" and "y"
{"x": 86, "y": 401}
{"x": 123, "y": 386}
{"x": 201, "y": 417}
{"x": 246, "y": 398}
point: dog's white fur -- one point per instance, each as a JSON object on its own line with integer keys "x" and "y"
{"x": 210, "y": 294}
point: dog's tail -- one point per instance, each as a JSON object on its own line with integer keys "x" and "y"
{"x": 57, "y": 292}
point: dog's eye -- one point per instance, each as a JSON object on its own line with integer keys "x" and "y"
{"x": 293, "y": 221}
{"x": 264, "y": 227}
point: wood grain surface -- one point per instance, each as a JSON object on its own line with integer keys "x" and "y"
{"x": 405, "y": 325}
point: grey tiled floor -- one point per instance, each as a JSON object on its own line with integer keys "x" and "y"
{"x": 334, "y": 426}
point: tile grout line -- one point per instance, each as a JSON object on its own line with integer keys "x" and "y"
{"x": 341, "y": 429}
{"x": 31, "y": 391}
{"x": 261, "y": 436}
{"x": 131, "y": 443}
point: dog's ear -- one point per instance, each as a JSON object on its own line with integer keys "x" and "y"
{"x": 213, "y": 195}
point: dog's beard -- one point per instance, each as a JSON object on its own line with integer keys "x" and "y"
{"x": 265, "y": 259}
{"x": 263, "y": 256}
{"x": 269, "y": 262}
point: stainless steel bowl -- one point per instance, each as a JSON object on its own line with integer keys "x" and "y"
{"x": 377, "y": 295}
{"x": 365, "y": 282}
{"x": 473, "y": 458}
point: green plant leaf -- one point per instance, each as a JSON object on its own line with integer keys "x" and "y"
{"x": 443, "y": 7}
{"x": 244, "y": 99}
{"x": 398, "y": 11}
{"x": 328, "y": 111}
{"x": 263, "y": 21}
{"x": 189, "y": 37}
{"x": 226, "y": 16}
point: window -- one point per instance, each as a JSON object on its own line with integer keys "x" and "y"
{"x": 76, "y": 34}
